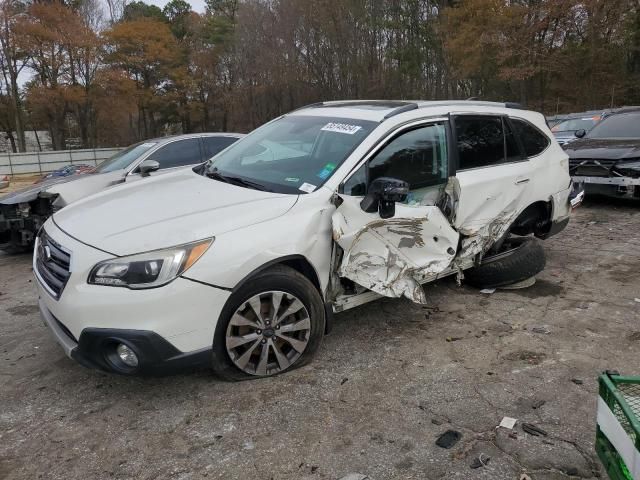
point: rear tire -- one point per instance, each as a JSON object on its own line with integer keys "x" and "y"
{"x": 520, "y": 258}
{"x": 284, "y": 335}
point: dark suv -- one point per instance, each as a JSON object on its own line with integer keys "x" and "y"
{"x": 607, "y": 159}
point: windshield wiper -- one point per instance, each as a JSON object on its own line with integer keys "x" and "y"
{"x": 248, "y": 183}
{"x": 216, "y": 175}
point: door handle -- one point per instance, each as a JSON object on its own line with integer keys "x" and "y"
{"x": 521, "y": 181}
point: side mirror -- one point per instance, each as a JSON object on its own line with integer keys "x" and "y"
{"x": 382, "y": 195}
{"x": 580, "y": 133}
{"x": 147, "y": 167}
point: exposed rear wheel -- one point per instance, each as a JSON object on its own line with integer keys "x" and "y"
{"x": 519, "y": 258}
{"x": 273, "y": 323}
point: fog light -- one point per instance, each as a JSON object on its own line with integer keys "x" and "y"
{"x": 127, "y": 355}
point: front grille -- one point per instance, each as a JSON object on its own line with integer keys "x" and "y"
{"x": 52, "y": 264}
{"x": 591, "y": 167}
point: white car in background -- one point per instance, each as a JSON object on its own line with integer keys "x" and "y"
{"x": 23, "y": 212}
{"x": 239, "y": 264}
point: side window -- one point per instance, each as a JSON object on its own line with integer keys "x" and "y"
{"x": 511, "y": 143}
{"x": 533, "y": 140}
{"x": 213, "y": 145}
{"x": 178, "y": 154}
{"x": 418, "y": 157}
{"x": 481, "y": 141}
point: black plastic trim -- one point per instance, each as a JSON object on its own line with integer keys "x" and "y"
{"x": 328, "y": 317}
{"x": 556, "y": 227}
{"x": 399, "y": 110}
{"x": 156, "y": 355}
{"x": 277, "y": 261}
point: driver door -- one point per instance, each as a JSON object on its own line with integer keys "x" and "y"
{"x": 393, "y": 256}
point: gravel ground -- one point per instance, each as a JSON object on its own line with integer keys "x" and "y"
{"x": 389, "y": 379}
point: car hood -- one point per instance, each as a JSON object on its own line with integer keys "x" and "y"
{"x": 610, "y": 149}
{"x": 69, "y": 189}
{"x": 165, "y": 211}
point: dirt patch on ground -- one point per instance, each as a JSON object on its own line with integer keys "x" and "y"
{"x": 542, "y": 288}
{"x": 526, "y": 356}
{"x": 23, "y": 310}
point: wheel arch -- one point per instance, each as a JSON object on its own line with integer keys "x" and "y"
{"x": 298, "y": 263}
{"x": 535, "y": 218}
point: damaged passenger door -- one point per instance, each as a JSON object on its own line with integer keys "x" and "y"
{"x": 492, "y": 183}
{"x": 393, "y": 234}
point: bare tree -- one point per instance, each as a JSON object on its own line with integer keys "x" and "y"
{"x": 116, "y": 9}
{"x": 12, "y": 61}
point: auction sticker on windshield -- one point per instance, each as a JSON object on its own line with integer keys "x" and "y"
{"x": 341, "y": 128}
{"x": 307, "y": 187}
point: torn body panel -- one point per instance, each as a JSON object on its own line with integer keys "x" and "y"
{"x": 392, "y": 256}
{"x": 481, "y": 221}
{"x": 24, "y": 211}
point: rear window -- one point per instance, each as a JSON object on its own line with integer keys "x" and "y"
{"x": 624, "y": 125}
{"x": 533, "y": 140}
{"x": 575, "y": 124}
{"x": 214, "y": 145}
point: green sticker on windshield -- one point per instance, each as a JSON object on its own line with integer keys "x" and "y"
{"x": 292, "y": 179}
{"x": 326, "y": 171}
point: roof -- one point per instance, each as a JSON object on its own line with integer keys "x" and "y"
{"x": 194, "y": 135}
{"x": 379, "y": 110}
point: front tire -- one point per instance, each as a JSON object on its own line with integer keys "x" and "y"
{"x": 273, "y": 323}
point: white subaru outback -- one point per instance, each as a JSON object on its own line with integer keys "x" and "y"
{"x": 240, "y": 263}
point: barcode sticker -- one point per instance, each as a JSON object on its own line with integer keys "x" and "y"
{"x": 341, "y": 128}
{"x": 307, "y": 187}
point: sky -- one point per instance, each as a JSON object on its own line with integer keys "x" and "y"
{"x": 197, "y": 5}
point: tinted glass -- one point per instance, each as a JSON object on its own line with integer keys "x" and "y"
{"x": 511, "y": 143}
{"x": 533, "y": 140}
{"x": 178, "y": 154}
{"x": 214, "y": 145}
{"x": 625, "y": 125}
{"x": 126, "y": 157}
{"x": 575, "y": 124}
{"x": 480, "y": 141}
{"x": 418, "y": 157}
{"x": 294, "y": 154}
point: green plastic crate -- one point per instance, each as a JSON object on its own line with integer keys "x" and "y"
{"x": 618, "y": 432}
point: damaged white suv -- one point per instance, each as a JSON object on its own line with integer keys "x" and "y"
{"x": 240, "y": 263}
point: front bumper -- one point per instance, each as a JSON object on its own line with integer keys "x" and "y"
{"x": 19, "y": 232}
{"x": 96, "y": 349}
{"x": 615, "y": 186}
{"x": 616, "y": 181}
{"x": 169, "y": 327}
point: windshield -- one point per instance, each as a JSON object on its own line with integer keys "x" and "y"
{"x": 126, "y": 157}
{"x": 575, "y": 124}
{"x": 618, "y": 126}
{"x": 292, "y": 154}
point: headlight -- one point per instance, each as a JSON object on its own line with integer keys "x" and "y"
{"x": 148, "y": 270}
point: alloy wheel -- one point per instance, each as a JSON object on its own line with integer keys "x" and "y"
{"x": 268, "y": 333}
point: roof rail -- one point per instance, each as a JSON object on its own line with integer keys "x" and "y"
{"x": 516, "y": 105}
{"x": 405, "y": 108}
{"x": 311, "y": 105}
